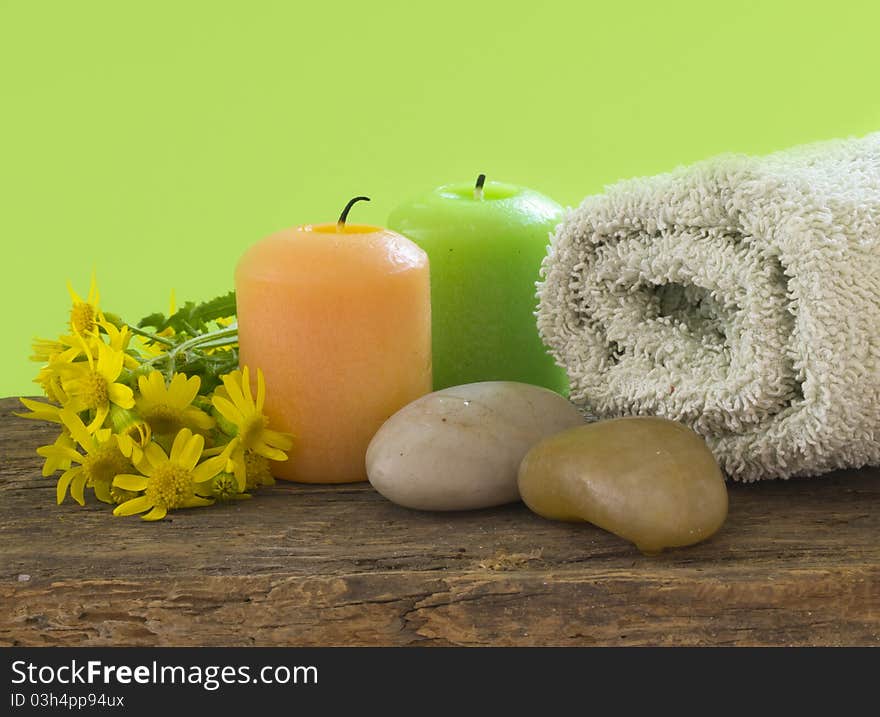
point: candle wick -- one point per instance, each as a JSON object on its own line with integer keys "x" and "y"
{"x": 342, "y": 217}
{"x": 478, "y": 188}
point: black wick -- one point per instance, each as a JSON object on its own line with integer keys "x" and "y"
{"x": 344, "y": 215}
{"x": 478, "y": 188}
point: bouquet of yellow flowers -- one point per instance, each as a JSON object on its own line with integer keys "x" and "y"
{"x": 157, "y": 416}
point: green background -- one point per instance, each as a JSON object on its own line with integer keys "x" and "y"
{"x": 154, "y": 141}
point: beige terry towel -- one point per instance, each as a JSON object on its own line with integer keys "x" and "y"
{"x": 740, "y": 296}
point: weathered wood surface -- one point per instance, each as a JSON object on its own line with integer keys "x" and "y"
{"x": 797, "y": 563}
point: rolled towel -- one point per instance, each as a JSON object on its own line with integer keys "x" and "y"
{"x": 740, "y": 296}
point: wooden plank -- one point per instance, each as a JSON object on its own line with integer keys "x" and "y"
{"x": 797, "y": 563}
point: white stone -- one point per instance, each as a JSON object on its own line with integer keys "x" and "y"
{"x": 460, "y": 448}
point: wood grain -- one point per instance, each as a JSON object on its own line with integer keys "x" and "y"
{"x": 797, "y": 563}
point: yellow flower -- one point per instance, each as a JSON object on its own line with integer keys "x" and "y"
{"x": 91, "y": 384}
{"x": 171, "y": 481}
{"x": 235, "y": 404}
{"x": 96, "y": 468}
{"x": 84, "y": 314}
{"x": 246, "y": 414}
{"x": 49, "y": 377}
{"x": 167, "y": 409}
{"x": 57, "y": 458}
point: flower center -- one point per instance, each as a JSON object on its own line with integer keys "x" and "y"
{"x": 104, "y": 464}
{"x": 95, "y": 390}
{"x": 256, "y": 469}
{"x": 251, "y": 430}
{"x": 164, "y": 419}
{"x": 170, "y": 486}
{"x": 82, "y": 317}
{"x": 225, "y": 486}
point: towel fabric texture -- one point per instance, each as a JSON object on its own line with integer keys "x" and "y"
{"x": 740, "y": 296}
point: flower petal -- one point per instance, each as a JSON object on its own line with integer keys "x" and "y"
{"x": 261, "y": 391}
{"x": 239, "y": 470}
{"x": 178, "y": 448}
{"x": 152, "y": 387}
{"x": 184, "y": 389}
{"x": 197, "y": 502}
{"x": 55, "y": 451}
{"x": 109, "y": 362}
{"x": 129, "y": 481}
{"x": 232, "y": 382}
{"x": 98, "y": 420}
{"x": 63, "y": 482}
{"x": 41, "y": 411}
{"x": 77, "y": 429}
{"x": 228, "y": 410}
{"x": 192, "y": 452}
{"x": 276, "y": 439}
{"x": 157, "y": 513}
{"x": 121, "y": 395}
{"x": 246, "y": 386}
{"x": 125, "y": 443}
{"x": 273, "y": 454}
{"x": 135, "y": 505}
{"x": 198, "y": 418}
{"x": 208, "y": 469}
{"x": 78, "y": 487}
{"x": 155, "y": 456}
{"x": 102, "y": 491}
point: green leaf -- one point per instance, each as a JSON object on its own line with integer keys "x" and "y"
{"x": 155, "y": 320}
{"x": 192, "y": 318}
{"x": 217, "y": 308}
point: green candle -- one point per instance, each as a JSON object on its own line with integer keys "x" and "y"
{"x": 485, "y": 243}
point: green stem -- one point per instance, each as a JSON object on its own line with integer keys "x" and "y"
{"x": 230, "y": 332}
{"x": 153, "y": 337}
{"x": 211, "y": 339}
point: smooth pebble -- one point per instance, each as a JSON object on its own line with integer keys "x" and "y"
{"x": 460, "y": 448}
{"x": 649, "y": 480}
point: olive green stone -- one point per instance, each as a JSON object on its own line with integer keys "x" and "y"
{"x": 649, "y": 480}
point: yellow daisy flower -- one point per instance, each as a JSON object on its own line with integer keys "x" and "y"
{"x": 57, "y": 458}
{"x": 167, "y": 409}
{"x": 91, "y": 384}
{"x": 246, "y": 414}
{"x": 237, "y": 406}
{"x": 84, "y": 314}
{"x": 96, "y": 468}
{"x": 49, "y": 378}
{"x": 171, "y": 481}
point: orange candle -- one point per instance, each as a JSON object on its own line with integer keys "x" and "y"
{"x": 338, "y": 316}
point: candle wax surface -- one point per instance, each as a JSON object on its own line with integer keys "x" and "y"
{"x": 339, "y": 320}
{"x": 485, "y": 257}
